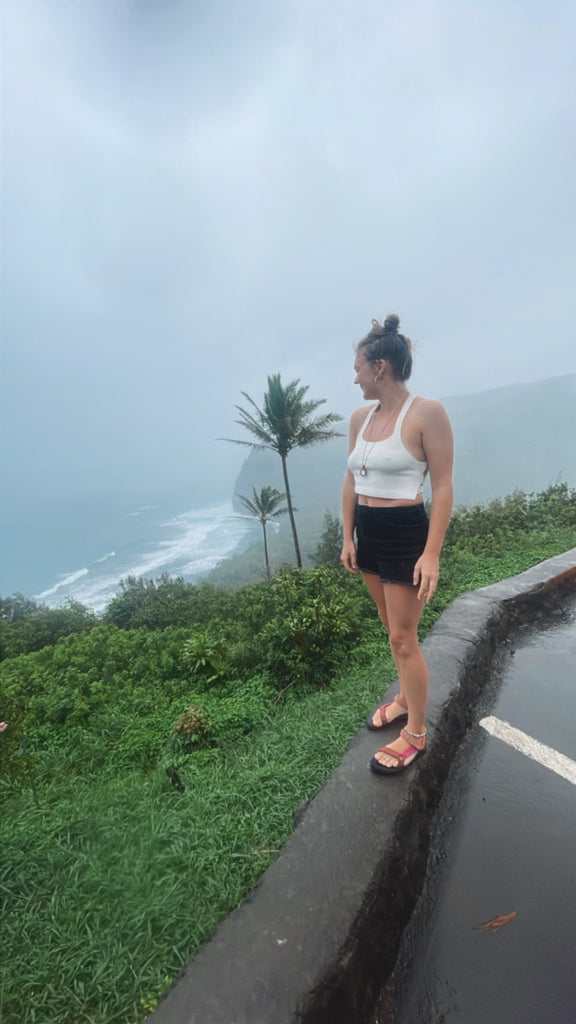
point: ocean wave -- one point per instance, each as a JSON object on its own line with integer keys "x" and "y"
{"x": 200, "y": 540}
{"x": 111, "y": 554}
{"x": 65, "y": 581}
{"x": 189, "y": 544}
{"x": 141, "y": 509}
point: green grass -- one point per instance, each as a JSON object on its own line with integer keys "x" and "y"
{"x": 110, "y": 877}
{"x": 110, "y": 884}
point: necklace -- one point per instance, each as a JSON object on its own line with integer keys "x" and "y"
{"x": 369, "y": 445}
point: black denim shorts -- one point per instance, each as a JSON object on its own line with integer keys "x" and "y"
{"x": 389, "y": 541}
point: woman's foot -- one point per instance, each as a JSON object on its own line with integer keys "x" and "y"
{"x": 392, "y": 759}
{"x": 395, "y": 710}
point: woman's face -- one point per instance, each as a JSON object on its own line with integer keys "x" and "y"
{"x": 365, "y": 374}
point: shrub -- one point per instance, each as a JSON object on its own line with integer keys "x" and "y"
{"x": 310, "y": 631}
{"x": 205, "y": 656}
{"x": 26, "y": 627}
{"x": 329, "y": 546}
{"x": 192, "y": 723}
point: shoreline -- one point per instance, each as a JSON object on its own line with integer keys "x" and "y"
{"x": 104, "y": 543}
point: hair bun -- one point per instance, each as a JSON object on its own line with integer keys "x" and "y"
{"x": 391, "y": 323}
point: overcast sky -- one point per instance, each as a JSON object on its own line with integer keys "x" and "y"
{"x": 197, "y": 193}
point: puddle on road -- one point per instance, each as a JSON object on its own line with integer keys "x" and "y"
{"x": 504, "y": 843}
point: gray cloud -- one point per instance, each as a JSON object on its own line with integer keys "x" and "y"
{"x": 198, "y": 195}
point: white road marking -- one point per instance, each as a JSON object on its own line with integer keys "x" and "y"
{"x": 527, "y": 745}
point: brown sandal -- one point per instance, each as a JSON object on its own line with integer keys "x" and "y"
{"x": 382, "y": 709}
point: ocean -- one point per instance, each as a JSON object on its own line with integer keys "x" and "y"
{"x": 80, "y": 550}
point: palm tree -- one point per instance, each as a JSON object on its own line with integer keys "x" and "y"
{"x": 264, "y": 507}
{"x": 285, "y": 422}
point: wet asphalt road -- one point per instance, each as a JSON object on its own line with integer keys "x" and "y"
{"x": 504, "y": 848}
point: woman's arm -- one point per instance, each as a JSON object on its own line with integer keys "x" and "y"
{"x": 438, "y": 444}
{"x": 348, "y": 556}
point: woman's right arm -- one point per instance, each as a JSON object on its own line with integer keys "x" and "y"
{"x": 348, "y": 556}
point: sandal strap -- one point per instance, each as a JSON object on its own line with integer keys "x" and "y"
{"x": 382, "y": 709}
{"x": 397, "y": 755}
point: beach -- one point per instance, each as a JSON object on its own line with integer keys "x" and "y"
{"x": 80, "y": 550}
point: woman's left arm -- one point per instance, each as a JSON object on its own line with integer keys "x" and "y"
{"x": 438, "y": 444}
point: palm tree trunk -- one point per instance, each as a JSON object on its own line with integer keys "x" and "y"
{"x": 291, "y": 512}
{"x": 266, "y": 549}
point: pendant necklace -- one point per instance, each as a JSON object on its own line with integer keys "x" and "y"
{"x": 368, "y": 446}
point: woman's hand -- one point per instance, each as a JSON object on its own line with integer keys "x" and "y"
{"x": 348, "y": 556}
{"x": 426, "y": 572}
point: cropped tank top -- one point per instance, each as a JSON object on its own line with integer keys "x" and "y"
{"x": 386, "y": 469}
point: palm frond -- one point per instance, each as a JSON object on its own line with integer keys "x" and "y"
{"x": 260, "y": 428}
{"x": 264, "y": 505}
{"x": 247, "y": 444}
{"x": 308, "y": 437}
{"x": 249, "y": 505}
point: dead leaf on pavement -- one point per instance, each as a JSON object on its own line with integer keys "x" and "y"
{"x": 495, "y": 923}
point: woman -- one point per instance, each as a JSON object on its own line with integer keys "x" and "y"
{"x": 391, "y": 451}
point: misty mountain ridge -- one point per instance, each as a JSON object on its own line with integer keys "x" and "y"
{"x": 519, "y": 437}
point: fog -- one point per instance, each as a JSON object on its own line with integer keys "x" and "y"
{"x": 196, "y": 195}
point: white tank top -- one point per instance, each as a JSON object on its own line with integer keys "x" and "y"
{"x": 386, "y": 469}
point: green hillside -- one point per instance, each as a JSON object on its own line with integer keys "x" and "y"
{"x": 520, "y": 437}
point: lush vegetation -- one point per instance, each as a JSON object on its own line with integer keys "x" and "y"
{"x": 156, "y": 755}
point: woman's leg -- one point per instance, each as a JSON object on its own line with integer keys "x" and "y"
{"x": 376, "y": 588}
{"x": 403, "y": 611}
